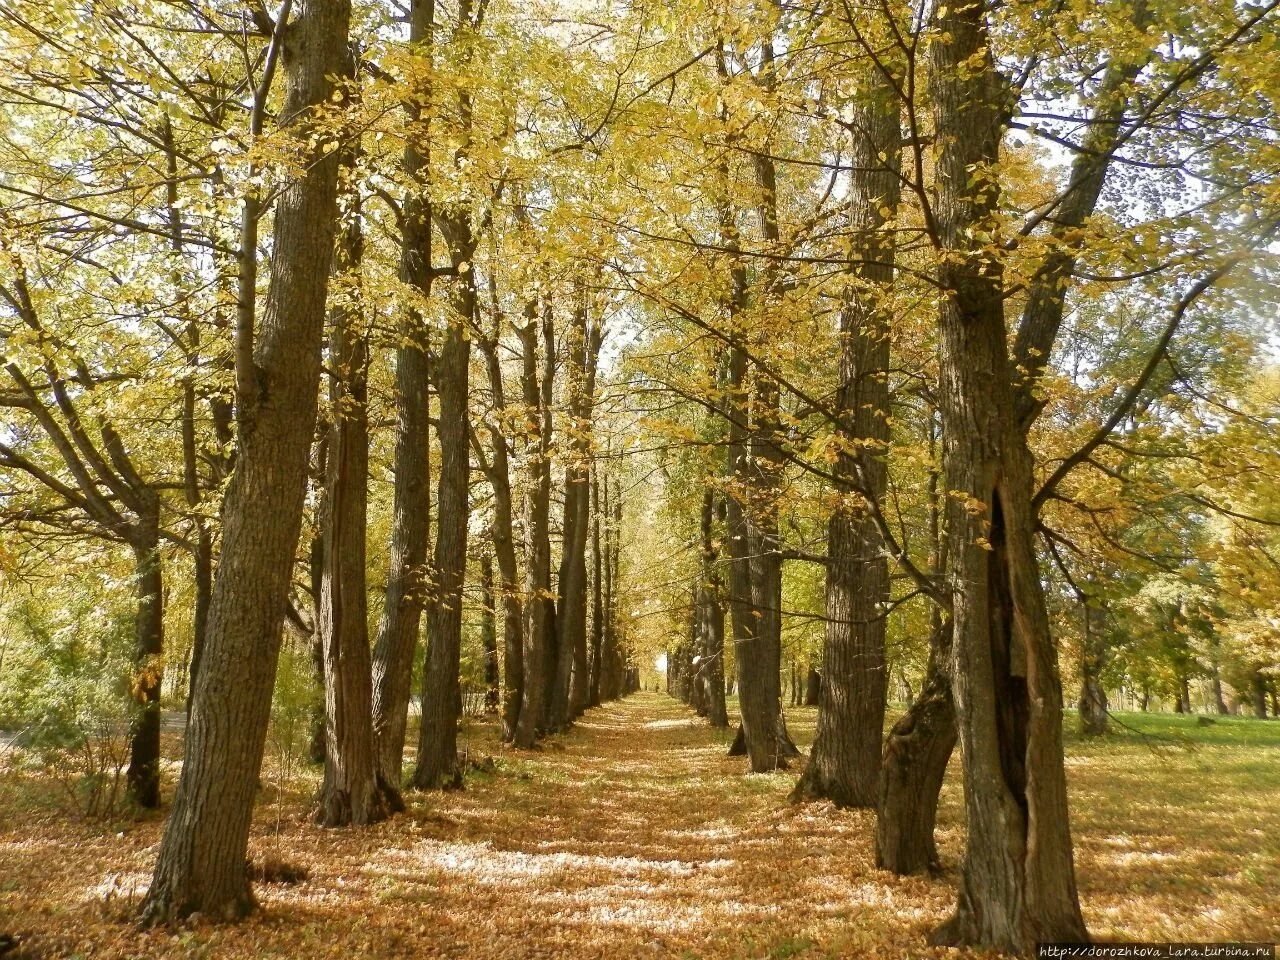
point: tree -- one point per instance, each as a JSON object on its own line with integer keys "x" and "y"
{"x": 351, "y": 793}
{"x": 407, "y": 579}
{"x": 844, "y": 765}
{"x": 200, "y": 866}
{"x": 1018, "y": 885}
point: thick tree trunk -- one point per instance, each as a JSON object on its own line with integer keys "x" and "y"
{"x": 143, "y": 775}
{"x": 1018, "y": 884}
{"x": 407, "y": 574}
{"x": 350, "y": 794}
{"x": 844, "y": 765}
{"x": 441, "y": 696}
{"x": 916, "y": 754}
{"x": 202, "y": 855}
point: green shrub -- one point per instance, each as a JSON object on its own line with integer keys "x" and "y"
{"x": 64, "y": 689}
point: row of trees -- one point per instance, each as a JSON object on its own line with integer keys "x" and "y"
{"x": 956, "y": 306}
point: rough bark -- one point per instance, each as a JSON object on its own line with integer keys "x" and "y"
{"x": 916, "y": 753}
{"x": 202, "y": 854}
{"x": 502, "y": 530}
{"x": 406, "y": 594}
{"x": 844, "y": 764}
{"x": 441, "y": 701}
{"x": 1018, "y": 884}
{"x": 539, "y": 612}
{"x": 350, "y": 794}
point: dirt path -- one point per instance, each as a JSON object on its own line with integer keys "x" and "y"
{"x": 635, "y": 836}
{"x": 630, "y": 836}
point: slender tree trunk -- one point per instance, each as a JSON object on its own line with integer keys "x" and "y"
{"x": 711, "y": 614}
{"x": 539, "y": 607}
{"x": 350, "y": 794}
{"x": 201, "y": 861}
{"x": 504, "y": 548}
{"x": 1018, "y": 885}
{"x": 438, "y": 735}
{"x": 1093, "y": 657}
{"x": 489, "y": 626}
{"x": 407, "y": 578}
{"x": 610, "y": 677}
{"x": 1218, "y": 702}
{"x": 143, "y": 775}
{"x": 571, "y": 687}
{"x": 597, "y": 592}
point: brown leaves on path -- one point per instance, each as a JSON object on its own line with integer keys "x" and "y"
{"x": 632, "y": 836}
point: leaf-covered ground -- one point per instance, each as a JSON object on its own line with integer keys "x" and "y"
{"x": 634, "y": 836}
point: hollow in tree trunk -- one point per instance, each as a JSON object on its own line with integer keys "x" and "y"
{"x": 1018, "y": 881}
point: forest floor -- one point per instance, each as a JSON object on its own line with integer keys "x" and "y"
{"x": 634, "y": 836}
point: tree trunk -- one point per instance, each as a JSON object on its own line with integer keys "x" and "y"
{"x": 571, "y": 688}
{"x": 406, "y": 595}
{"x": 1093, "y": 657}
{"x": 350, "y": 794}
{"x": 502, "y": 532}
{"x": 441, "y": 703}
{"x": 143, "y": 775}
{"x": 407, "y": 580}
{"x": 539, "y": 612}
{"x": 916, "y": 754}
{"x": 597, "y": 592}
{"x": 489, "y": 626}
{"x": 1258, "y": 687}
{"x": 844, "y": 764}
{"x": 610, "y": 657}
{"x": 1018, "y": 884}
{"x": 711, "y": 613}
{"x": 201, "y": 861}
{"x": 812, "y": 688}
